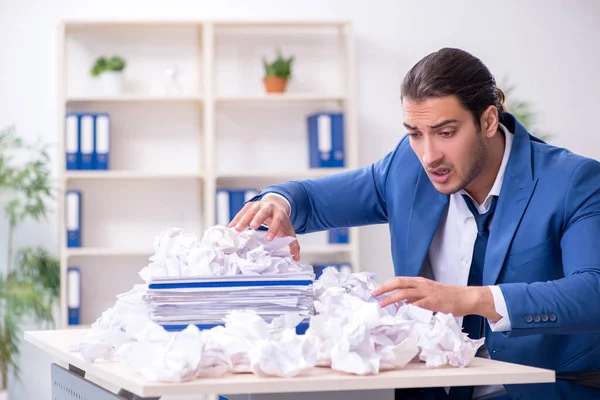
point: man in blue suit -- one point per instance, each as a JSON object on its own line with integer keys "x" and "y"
{"x": 486, "y": 222}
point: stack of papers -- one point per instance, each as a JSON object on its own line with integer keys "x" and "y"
{"x": 241, "y": 272}
{"x": 204, "y": 302}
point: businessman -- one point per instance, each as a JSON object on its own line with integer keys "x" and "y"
{"x": 486, "y": 222}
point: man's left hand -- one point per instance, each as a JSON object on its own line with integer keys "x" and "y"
{"x": 435, "y": 296}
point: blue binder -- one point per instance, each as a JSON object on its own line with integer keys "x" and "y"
{"x": 326, "y": 140}
{"x": 74, "y": 295}
{"x": 86, "y": 141}
{"x": 229, "y": 202}
{"x": 301, "y": 328}
{"x": 72, "y": 141}
{"x": 237, "y": 198}
{"x": 225, "y": 284}
{"x": 73, "y": 218}
{"x": 339, "y": 235}
{"x": 101, "y": 141}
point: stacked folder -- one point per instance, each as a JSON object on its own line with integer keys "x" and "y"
{"x": 176, "y": 302}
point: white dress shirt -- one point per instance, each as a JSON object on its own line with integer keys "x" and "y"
{"x": 451, "y": 251}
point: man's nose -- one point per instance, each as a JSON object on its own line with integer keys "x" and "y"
{"x": 431, "y": 154}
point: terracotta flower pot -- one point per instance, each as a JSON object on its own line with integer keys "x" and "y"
{"x": 274, "y": 84}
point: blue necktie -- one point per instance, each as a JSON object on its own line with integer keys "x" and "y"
{"x": 473, "y": 324}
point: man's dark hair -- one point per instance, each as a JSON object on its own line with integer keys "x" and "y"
{"x": 454, "y": 72}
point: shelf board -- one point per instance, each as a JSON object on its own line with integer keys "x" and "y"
{"x": 273, "y": 175}
{"x": 280, "y": 97}
{"x": 135, "y": 98}
{"x": 283, "y": 24}
{"x": 106, "y": 251}
{"x": 106, "y": 175}
{"x": 90, "y": 24}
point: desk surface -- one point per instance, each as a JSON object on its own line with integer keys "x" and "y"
{"x": 480, "y": 372}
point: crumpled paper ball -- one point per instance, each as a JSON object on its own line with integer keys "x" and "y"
{"x": 350, "y": 333}
{"x": 222, "y": 251}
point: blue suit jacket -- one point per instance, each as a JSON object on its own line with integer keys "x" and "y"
{"x": 543, "y": 249}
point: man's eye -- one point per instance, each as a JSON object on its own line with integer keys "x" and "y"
{"x": 446, "y": 134}
{"x": 414, "y": 135}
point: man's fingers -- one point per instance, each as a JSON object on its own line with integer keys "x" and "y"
{"x": 295, "y": 250}
{"x": 247, "y": 217}
{"x": 274, "y": 226}
{"x": 240, "y": 214}
{"x": 400, "y": 282}
{"x": 261, "y": 216}
{"x": 410, "y": 295}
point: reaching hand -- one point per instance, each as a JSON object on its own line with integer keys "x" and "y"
{"x": 273, "y": 212}
{"x": 436, "y": 296}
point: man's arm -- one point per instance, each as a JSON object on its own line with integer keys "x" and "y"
{"x": 350, "y": 198}
{"x": 571, "y": 303}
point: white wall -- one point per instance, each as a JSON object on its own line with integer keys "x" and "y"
{"x": 549, "y": 49}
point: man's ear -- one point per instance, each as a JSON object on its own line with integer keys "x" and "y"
{"x": 489, "y": 121}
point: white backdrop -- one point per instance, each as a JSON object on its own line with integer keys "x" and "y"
{"x": 549, "y": 49}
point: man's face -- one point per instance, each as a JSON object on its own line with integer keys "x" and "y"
{"x": 445, "y": 138}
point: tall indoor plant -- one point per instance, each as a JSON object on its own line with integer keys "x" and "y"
{"x": 29, "y": 276}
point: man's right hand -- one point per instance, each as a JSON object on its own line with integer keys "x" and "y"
{"x": 272, "y": 211}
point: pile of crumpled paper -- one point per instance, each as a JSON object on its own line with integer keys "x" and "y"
{"x": 350, "y": 331}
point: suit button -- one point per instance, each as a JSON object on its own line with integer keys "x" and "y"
{"x": 537, "y": 318}
{"x": 528, "y": 318}
{"x": 552, "y": 317}
{"x": 545, "y": 317}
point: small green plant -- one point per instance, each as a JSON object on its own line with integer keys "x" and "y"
{"x": 280, "y": 67}
{"x": 29, "y": 280}
{"x": 102, "y": 64}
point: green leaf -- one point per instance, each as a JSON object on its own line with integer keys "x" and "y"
{"x": 31, "y": 288}
{"x": 102, "y": 64}
{"x": 280, "y": 67}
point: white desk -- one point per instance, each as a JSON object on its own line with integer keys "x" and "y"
{"x": 480, "y": 372}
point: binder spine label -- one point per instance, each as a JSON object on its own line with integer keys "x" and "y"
{"x": 222, "y": 205}
{"x": 87, "y": 141}
{"x": 72, "y": 141}
{"x": 102, "y": 142}
{"x": 73, "y": 218}
{"x": 74, "y": 295}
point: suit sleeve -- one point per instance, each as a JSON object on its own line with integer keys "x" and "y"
{"x": 571, "y": 302}
{"x": 352, "y": 198}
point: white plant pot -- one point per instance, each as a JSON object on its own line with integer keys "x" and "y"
{"x": 112, "y": 84}
{"x": 3, "y": 395}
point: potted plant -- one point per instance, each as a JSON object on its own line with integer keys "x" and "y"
{"x": 30, "y": 281}
{"x": 110, "y": 70}
{"x": 277, "y": 73}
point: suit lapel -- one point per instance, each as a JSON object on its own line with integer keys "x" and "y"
{"x": 517, "y": 188}
{"x": 426, "y": 213}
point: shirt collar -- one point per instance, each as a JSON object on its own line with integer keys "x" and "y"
{"x": 495, "y": 191}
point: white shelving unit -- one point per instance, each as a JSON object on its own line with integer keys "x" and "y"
{"x": 171, "y": 152}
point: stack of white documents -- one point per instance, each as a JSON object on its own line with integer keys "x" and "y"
{"x": 199, "y": 283}
{"x": 176, "y": 303}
